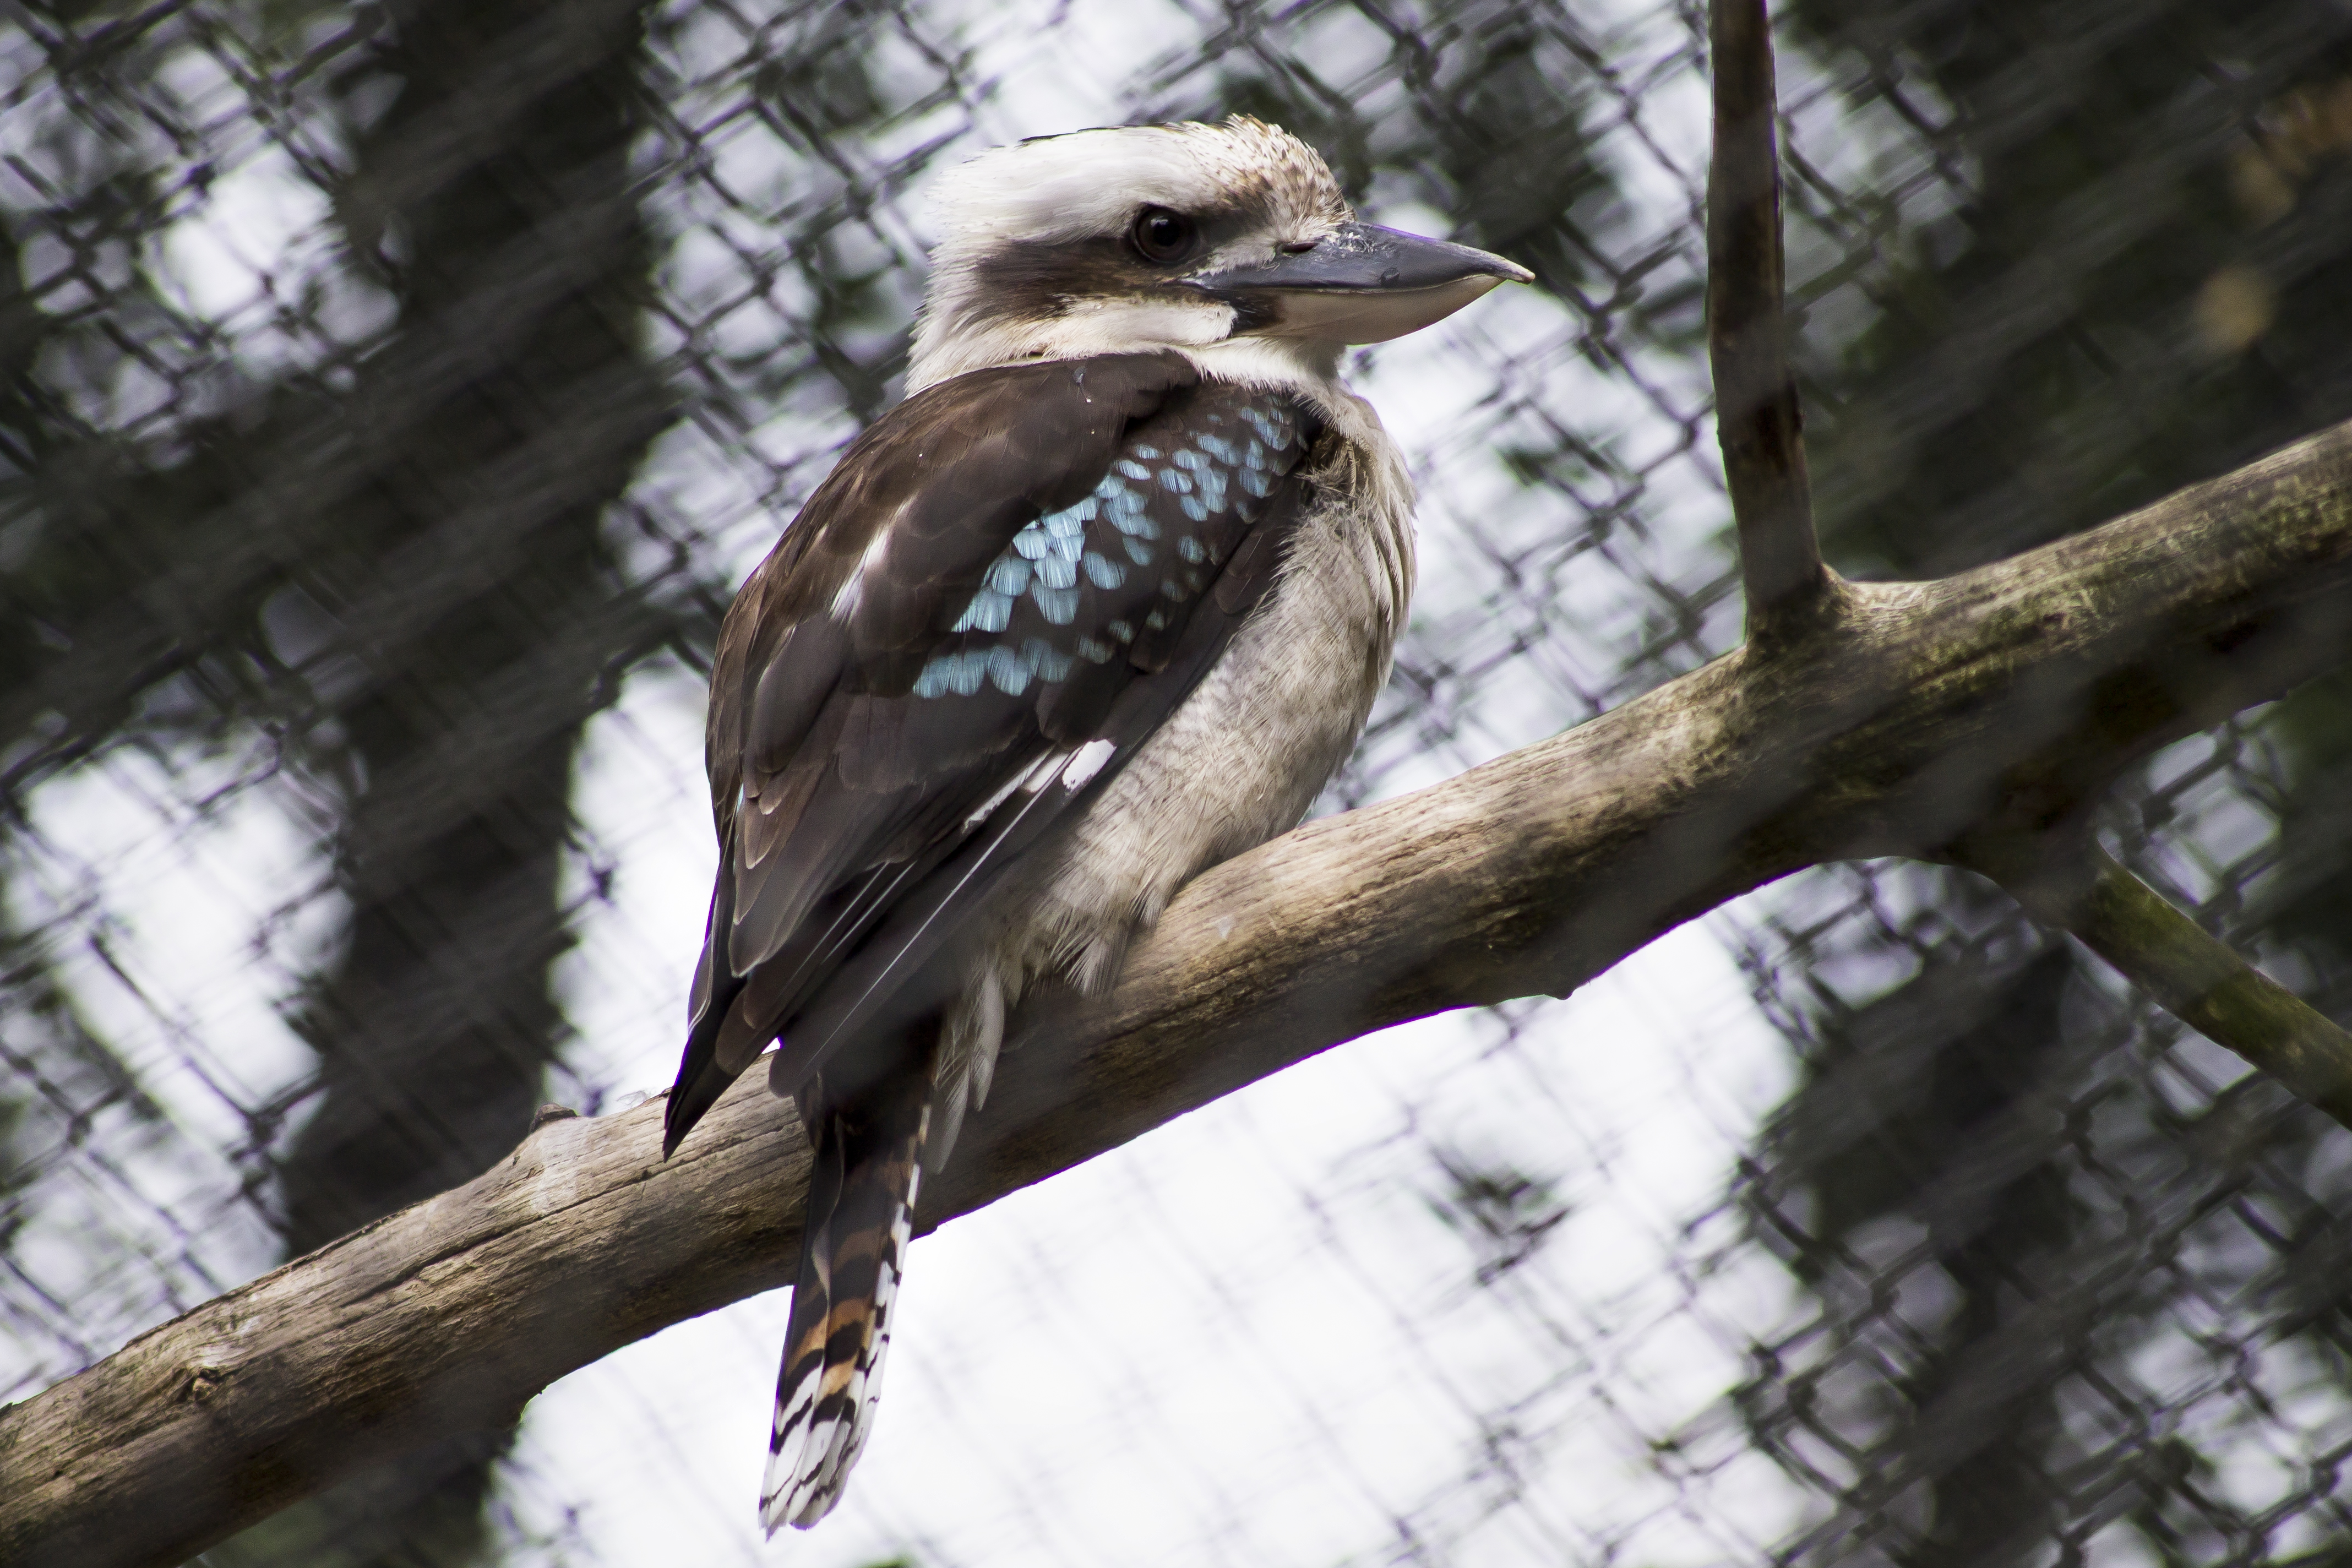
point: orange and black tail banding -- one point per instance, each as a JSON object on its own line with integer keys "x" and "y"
{"x": 860, "y": 1218}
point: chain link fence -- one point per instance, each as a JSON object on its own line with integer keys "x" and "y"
{"x": 391, "y": 395}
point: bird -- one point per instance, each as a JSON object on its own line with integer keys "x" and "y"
{"x": 1105, "y": 600}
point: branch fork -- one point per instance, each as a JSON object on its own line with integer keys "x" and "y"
{"x": 2061, "y": 876}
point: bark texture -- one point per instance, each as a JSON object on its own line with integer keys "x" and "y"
{"x": 1911, "y": 719}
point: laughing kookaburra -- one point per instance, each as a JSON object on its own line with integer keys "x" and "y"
{"x": 1104, "y": 601}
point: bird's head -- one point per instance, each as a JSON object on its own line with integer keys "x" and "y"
{"x": 1219, "y": 240}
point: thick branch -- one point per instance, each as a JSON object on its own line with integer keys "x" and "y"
{"x": 1913, "y": 717}
{"x": 2197, "y": 977}
{"x": 1758, "y": 417}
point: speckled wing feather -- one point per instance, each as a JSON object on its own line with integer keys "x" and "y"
{"x": 1004, "y": 588}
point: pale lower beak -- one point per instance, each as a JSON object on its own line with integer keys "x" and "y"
{"x": 1360, "y": 284}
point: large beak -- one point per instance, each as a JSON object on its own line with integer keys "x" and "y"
{"x": 1359, "y": 284}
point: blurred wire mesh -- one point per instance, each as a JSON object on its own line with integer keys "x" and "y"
{"x": 390, "y": 395}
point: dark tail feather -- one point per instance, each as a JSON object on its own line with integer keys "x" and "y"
{"x": 705, "y": 1071}
{"x": 689, "y": 1099}
{"x": 701, "y": 1078}
{"x": 728, "y": 1028}
{"x": 860, "y": 1218}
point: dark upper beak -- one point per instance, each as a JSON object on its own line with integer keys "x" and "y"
{"x": 1359, "y": 284}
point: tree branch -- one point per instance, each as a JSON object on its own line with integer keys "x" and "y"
{"x": 1759, "y": 419}
{"x": 1760, "y": 423}
{"x": 1912, "y": 718}
{"x": 2198, "y": 978}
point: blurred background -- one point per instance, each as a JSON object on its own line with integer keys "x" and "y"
{"x": 391, "y": 395}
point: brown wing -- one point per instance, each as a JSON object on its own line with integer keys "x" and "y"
{"x": 1002, "y": 592}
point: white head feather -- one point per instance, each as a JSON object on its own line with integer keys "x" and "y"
{"x": 1022, "y": 201}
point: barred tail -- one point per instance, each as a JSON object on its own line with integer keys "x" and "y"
{"x": 860, "y": 1216}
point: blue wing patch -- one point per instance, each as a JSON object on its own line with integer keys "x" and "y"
{"x": 1077, "y": 584}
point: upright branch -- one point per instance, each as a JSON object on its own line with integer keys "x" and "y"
{"x": 2062, "y": 879}
{"x": 1758, "y": 418}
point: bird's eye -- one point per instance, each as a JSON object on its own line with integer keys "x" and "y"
{"x": 1164, "y": 236}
